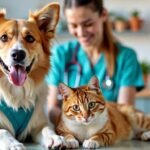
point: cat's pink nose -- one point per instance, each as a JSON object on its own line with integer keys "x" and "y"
{"x": 86, "y": 118}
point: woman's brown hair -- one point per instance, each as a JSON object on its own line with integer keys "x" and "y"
{"x": 108, "y": 44}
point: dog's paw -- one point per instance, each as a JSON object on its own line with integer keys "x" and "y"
{"x": 72, "y": 143}
{"x": 8, "y": 142}
{"x": 16, "y": 146}
{"x": 90, "y": 144}
{"x": 145, "y": 136}
{"x": 55, "y": 141}
{"x": 13, "y": 145}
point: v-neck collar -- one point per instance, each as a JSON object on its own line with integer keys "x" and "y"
{"x": 99, "y": 69}
{"x": 84, "y": 59}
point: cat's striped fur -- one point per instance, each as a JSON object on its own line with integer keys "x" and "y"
{"x": 88, "y": 119}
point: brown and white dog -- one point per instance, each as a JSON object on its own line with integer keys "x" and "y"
{"x": 24, "y": 62}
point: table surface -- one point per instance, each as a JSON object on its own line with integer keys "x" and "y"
{"x": 125, "y": 145}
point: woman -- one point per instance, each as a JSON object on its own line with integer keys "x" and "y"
{"x": 94, "y": 52}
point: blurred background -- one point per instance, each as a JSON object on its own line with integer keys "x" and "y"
{"x": 133, "y": 33}
{"x": 130, "y": 21}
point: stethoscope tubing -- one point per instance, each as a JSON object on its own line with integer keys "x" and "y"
{"x": 74, "y": 61}
{"x": 107, "y": 84}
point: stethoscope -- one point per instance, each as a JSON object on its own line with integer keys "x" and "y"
{"x": 107, "y": 83}
{"x": 74, "y": 62}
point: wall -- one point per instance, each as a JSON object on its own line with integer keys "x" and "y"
{"x": 20, "y": 8}
{"x": 139, "y": 41}
{"x": 125, "y": 7}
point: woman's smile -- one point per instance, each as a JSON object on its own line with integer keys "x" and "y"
{"x": 86, "y": 40}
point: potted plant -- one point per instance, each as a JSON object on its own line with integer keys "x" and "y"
{"x": 135, "y": 21}
{"x": 120, "y": 24}
{"x": 146, "y": 70}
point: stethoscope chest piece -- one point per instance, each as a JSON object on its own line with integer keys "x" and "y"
{"x": 108, "y": 83}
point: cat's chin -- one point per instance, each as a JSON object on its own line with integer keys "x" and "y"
{"x": 83, "y": 122}
{"x": 86, "y": 122}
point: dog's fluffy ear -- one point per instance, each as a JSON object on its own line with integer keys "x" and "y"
{"x": 2, "y": 13}
{"x": 47, "y": 18}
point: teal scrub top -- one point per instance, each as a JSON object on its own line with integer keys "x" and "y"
{"x": 127, "y": 73}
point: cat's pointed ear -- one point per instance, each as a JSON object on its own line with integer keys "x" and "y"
{"x": 47, "y": 18}
{"x": 94, "y": 82}
{"x": 2, "y": 13}
{"x": 65, "y": 90}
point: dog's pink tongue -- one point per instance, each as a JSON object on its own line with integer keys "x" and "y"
{"x": 17, "y": 75}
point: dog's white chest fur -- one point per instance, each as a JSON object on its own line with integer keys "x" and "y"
{"x": 83, "y": 132}
{"x": 18, "y": 96}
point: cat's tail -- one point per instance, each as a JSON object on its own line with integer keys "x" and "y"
{"x": 138, "y": 119}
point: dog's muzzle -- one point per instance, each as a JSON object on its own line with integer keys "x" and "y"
{"x": 17, "y": 72}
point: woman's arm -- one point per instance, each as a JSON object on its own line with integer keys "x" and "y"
{"x": 53, "y": 108}
{"x": 52, "y": 96}
{"x": 127, "y": 95}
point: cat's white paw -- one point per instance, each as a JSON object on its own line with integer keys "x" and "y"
{"x": 145, "y": 136}
{"x": 90, "y": 144}
{"x": 72, "y": 143}
{"x": 54, "y": 141}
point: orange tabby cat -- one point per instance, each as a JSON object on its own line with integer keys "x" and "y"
{"x": 88, "y": 119}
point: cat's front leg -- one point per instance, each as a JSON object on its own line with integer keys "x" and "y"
{"x": 103, "y": 139}
{"x": 71, "y": 141}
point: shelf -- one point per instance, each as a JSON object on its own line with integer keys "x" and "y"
{"x": 132, "y": 34}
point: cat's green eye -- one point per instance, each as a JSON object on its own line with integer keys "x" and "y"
{"x": 91, "y": 105}
{"x": 76, "y": 108}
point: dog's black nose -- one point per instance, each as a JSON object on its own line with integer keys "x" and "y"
{"x": 18, "y": 55}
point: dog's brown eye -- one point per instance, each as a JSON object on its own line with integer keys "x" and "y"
{"x": 4, "y": 38}
{"x": 29, "y": 38}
